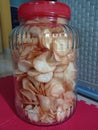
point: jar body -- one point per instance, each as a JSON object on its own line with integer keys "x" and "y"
{"x": 44, "y": 59}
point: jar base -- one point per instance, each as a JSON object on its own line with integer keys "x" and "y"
{"x": 23, "y": 117}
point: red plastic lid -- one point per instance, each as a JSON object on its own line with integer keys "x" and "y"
{"x": 43, "y": 8}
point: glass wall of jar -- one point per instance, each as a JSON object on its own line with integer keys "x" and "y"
{"x": 44, "y": 53}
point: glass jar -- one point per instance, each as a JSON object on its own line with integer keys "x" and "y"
{"x": 44, "y": 57}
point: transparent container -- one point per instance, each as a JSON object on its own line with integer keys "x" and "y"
{"x": 44, "y": 53}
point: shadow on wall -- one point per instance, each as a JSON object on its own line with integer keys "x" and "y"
{"x": 16, "y": 3}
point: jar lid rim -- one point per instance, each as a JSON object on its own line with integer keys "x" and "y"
{"x": 43, "y": 8}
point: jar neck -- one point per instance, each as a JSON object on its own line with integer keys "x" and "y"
{"x": 46, "y": 20}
